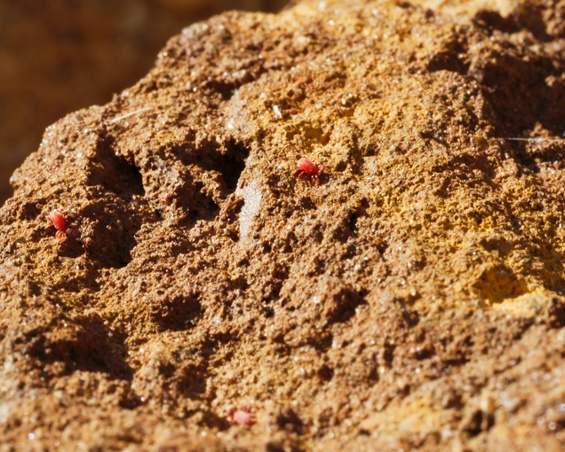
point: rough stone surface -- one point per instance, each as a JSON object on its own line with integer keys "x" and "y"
{"x": 67, "y": 55}
{"x": 412, "y": 299}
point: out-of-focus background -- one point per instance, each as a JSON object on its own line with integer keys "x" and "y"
{"x": 62, "y": 55}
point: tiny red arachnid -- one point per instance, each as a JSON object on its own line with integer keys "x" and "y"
{"x": 241, "y": 416}
{"x": 58, "y": 221}
{"x": 308, "y": 169}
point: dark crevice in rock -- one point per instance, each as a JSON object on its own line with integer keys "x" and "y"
{"x": 108, "y": 230}
{"x": 512, "y": 83}
{"x": 227, "y": 158}
{"x": 451, "y": 57}
{"x": 113, "y": 173}
{"x": 177, "y": 313}
{"x": 232, "y": 163}
{"x": 343, "y": 305}
{"x": 87, "y": 344}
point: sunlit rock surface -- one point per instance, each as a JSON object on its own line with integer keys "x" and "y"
{"x": 412, "y": 299}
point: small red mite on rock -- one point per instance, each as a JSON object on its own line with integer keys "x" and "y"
{"x": 57, "y": 220}
{"x": 241, "y": 416}
{"x": 305, "y": 168}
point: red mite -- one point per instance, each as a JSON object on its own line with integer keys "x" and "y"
{"x": 305, "y": 168}
{"x": 58, "y": 221}
{"x": 241, "y": 416}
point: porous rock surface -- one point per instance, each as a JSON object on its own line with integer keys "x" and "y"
{"x": 414, "y": 298}
{"x": 67, "y": 55}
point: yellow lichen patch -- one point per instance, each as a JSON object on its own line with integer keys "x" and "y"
{"x": 497, "y": 283}
{"x": 415, "y": 415}
{"x": 526, "y": 305}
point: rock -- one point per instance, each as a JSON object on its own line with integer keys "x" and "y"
{"x": 69, "y": 55}
{"x": 413, "y": 298}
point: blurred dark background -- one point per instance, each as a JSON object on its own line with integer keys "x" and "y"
{"x": 59, "y": 56}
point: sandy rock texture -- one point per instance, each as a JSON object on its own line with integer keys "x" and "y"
{"x": 60, "y": 55}
{"x": 413, "y": 299}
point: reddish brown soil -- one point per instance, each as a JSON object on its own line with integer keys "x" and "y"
{"x": 414, "y": 298}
